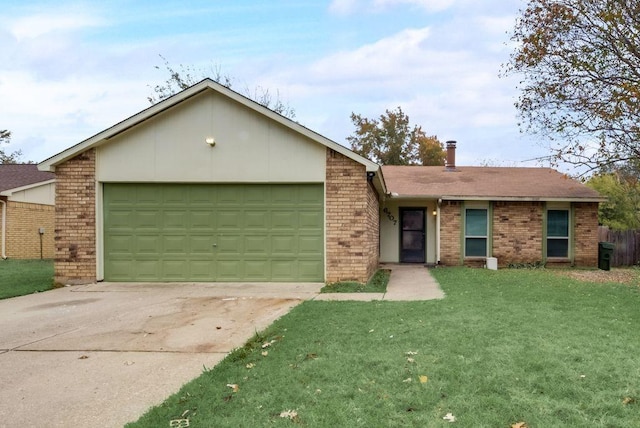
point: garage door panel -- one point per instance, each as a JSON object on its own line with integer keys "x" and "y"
{"x": 174, "y": 270}
{"x": 213, "y": 232}
{"x": 201, "y": 270}
{"x": 257, "y": 246}
{"x": 284, "y": 220}
{"x": 172, "y": 196}
{"x": 146, "y": 270}
{"x": 229, "y": 246}
{"x": 200, "y": 245}
{"x": 174, "y": 245}
{"x": 257, "y": 270}
{"x": 283, "y": 269}
{"x": 310, "y": 220}
{"x": 229, "y": 220}
{"x": 174, "y": 220}
{"x": 257, "y": 220}
{"x": 310, "y": 246}
{"x": 283, "y": 246}
{"x": 148, "y": 245}
{"x": 200, "y": 221}
{"x": 228, "y": 196}
{"x": 309, "y": 270}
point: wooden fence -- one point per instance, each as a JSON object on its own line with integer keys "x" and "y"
{"x": 627, "y": 242}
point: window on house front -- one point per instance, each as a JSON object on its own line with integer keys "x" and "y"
{"x": 475, "y": 233}
{"x": 558, "y": 233}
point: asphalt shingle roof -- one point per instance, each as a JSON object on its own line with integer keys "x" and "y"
{"x": 484, "y": 182}
{"x": 18, "y": 175}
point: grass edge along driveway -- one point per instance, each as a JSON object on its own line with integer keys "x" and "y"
{"x": 21, "y": 277}
{"x": 503, "y": 348}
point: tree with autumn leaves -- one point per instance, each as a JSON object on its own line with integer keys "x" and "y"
{"x": 580, "y": 67}
{"x": 391, "y": 140}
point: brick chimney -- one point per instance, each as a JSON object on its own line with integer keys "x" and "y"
{"x": 451, "y": 156}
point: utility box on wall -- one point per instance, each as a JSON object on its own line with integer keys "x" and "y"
{"x": 492, "y": 263}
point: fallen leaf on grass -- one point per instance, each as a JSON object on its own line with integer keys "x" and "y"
{"x": 291, "y": 414}
{"x": 250, "y": 365}
{"x": 411, "y": 360}
{"x": 411, "y": 353}
{"x": 233, "y": 386}
{"x": 423, "y": 379}
{"x": 265, "y": 353}
{"x": 267, "y": 344}
{"x": 449, "y": 417}
{"x": 628, "y": 400}
{"x": 520, "y": 425}
{"x": 407, "y": 380}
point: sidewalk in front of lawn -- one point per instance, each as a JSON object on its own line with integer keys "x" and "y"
{"x": 407, "y": 282}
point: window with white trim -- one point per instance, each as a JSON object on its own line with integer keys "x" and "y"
{"x": 476, "y": 232}
{"x": 558, "y": 233}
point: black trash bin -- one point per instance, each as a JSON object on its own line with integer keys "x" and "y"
{"x": 605, "y": 253}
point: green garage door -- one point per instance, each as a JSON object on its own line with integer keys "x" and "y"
{"x": 213, "y": 232}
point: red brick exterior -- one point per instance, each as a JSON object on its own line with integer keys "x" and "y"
{"x": 517, "y": 232}
{"x": 75, "y": 241}
{"x": 586, "y": 234}
{"x": 450, "y": 229}
{"x": 23, "y": 223}
{"x": 352, "y": 221}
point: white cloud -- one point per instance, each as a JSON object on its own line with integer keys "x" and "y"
{"x": 347, "y": 7}
{"x": 428, "y": 5}
{"x": 34, "y": 26}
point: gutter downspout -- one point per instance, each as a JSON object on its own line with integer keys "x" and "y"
{"x": 4, "y": 229}
{"x": 438, "y": 231}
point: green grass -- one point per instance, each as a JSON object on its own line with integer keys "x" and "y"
{"x": 20, "y": 277}
{"x": 503, "y": 347}
{"x": 377, "y": 284}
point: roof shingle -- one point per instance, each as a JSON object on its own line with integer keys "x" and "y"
{"x": 18, "y": 175}
{"x": 484, "y": 183}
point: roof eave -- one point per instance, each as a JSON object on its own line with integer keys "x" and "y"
{"x": 498, "y": 198}
{"x": 10, "y": 192}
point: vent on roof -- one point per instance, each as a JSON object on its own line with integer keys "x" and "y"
{"x": 451, "y": 156}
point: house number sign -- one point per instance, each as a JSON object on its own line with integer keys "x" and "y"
{"x": 390, "y": 216}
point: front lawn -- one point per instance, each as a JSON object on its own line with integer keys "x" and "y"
{"x": 20, "y": 277}
{"x": 503, "y": 348}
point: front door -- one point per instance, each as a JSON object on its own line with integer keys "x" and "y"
{"x": 412, "y": 236}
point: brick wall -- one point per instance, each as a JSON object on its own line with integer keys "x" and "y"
{"x": 75, "y": 240}
{"x": 586, "y": 234}
{"x": 450, "y": 224}
{"x": 517, "y": 232}
{"x": 352, "y": 221}
{"x": 23, "y": 223}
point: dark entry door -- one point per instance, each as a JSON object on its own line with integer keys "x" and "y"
{"x": 412, "y": 236}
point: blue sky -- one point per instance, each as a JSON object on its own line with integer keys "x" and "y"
{"x": 69, "y": 69}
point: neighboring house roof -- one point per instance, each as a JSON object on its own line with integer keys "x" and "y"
{"x": 485, "y": 183}
{"x": 13, "y": 176}
{"x": 205, "y": 85}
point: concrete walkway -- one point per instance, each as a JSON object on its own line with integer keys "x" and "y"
{"x": 406, "y": 283}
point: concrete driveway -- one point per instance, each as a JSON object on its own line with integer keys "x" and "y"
{"x": 101, "y": 355}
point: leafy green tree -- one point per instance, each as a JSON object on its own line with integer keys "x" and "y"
{"x": 621, "y": 186}
{"x": 13, "y": 157}
{"x": 390, "y": 140}
{"x": 186, "y": 76}
{"x": 580, "y": 66}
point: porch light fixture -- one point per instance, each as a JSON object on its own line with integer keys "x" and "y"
{"x": 210, "y": 141}
{"x": 435, "y": 213}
